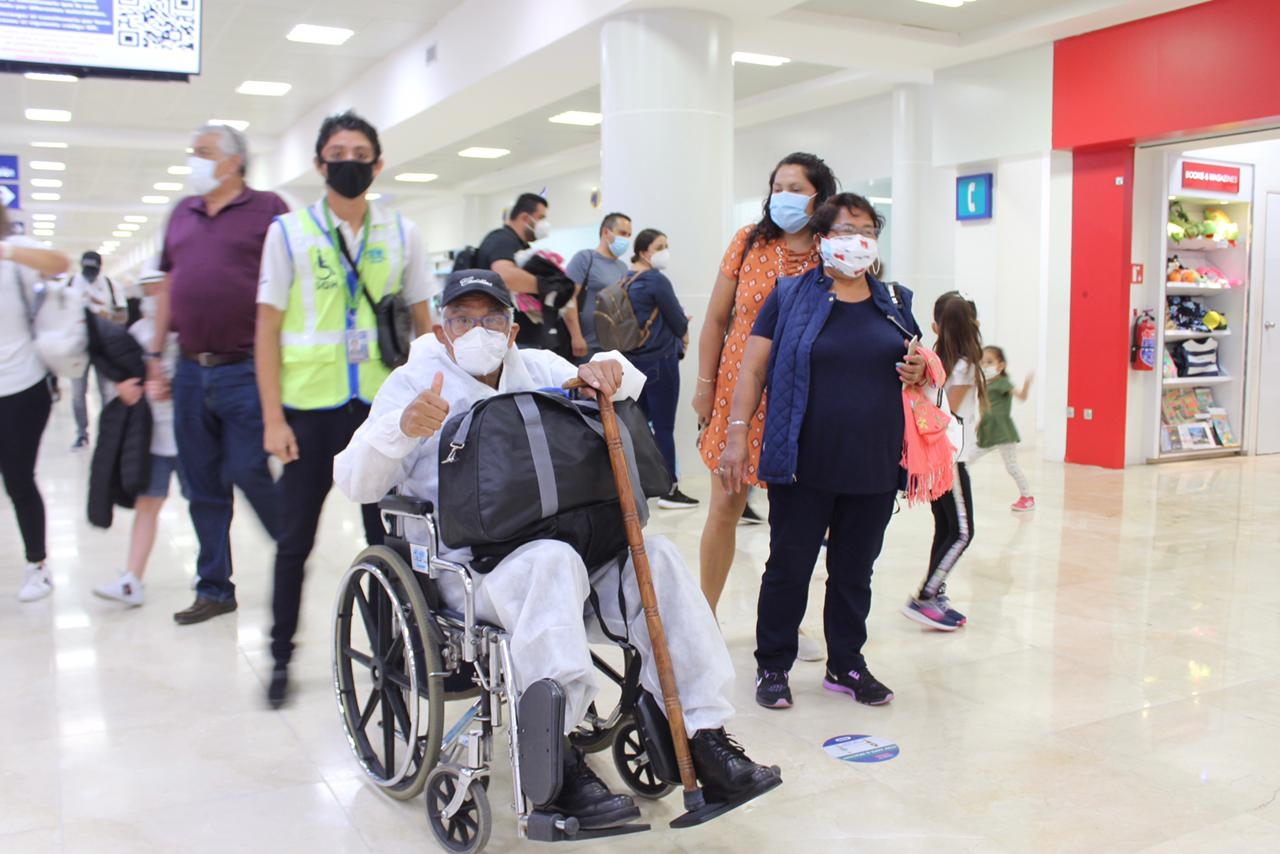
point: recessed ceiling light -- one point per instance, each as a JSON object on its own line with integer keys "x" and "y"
{"x": 37, "y": 114}
{"x": 44, "y": 216}
{"x": 312, "y": 34}
{"x": 950, "y": 4}
{"x": 128, "y": 226}
{"x": 155, "y": 200}
{"x": 179, "y": 170}
{"x": 45, "y": 197}
{"x": 135, "y": 218}
{"x": 51, "y": 78}
{"x": 231, "y": 123}
{"x": 483, "y": 153}
{"x": 373, "y": 197}
{"x": 577, "y": 117}
{"x": 48, "y": 165}
{"x": 47, "y": 183}
{"x": 264, "y": 87}
{"x": 880, "y": 200}
{"x": 111, "y": 244}
{"x": 167, "y": 186}
{"x": 48, "y": 145}
{"x": 122, "y": 234}
{"x": 743, "y": 57}
{"x": 417, "y": 177}
{"x": 42, "y": 232}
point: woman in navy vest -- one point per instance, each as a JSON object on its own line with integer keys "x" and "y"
{"x": 831, "y": 348}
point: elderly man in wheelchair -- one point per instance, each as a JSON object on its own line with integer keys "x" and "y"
{"x": 542, "y": 596}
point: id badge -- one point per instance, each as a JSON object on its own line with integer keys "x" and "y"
{"x": 357, "y": 346}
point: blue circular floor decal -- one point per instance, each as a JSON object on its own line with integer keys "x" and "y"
{"x": 860, "y": 748}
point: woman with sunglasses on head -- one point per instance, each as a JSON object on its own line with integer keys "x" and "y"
{"x": 779, "y": 245}
{"x": 24, "y": 395}
{"x": 831, "y": 348}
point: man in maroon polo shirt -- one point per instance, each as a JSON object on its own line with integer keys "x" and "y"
{"x": 212, "y": 255}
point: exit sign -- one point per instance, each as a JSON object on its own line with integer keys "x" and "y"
{"x": 973, "y": 196}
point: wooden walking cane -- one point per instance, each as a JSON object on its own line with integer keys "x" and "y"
{"x": 693, "y": 798}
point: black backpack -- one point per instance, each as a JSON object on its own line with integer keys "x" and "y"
{"x": 465, "y": 259}
{"x": 531, "y": 466}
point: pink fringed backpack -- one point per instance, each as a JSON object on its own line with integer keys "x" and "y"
{"x": 927, "y": 454}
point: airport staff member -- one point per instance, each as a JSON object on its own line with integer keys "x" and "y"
{"x": 317, "y": 354}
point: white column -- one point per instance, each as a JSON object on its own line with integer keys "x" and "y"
{"x": 666, "y": 92}
{"x": 910, "y": 159}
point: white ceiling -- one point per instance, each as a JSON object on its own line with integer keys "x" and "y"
{"x": 124, "y": 134}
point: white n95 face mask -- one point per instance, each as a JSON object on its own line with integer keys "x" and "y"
{"x": 480, "y": 351}
{"x": 541, "y": 229}
{"x": 201, "y": 179}
{"x": 660, "y": 260}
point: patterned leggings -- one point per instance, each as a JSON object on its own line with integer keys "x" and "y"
{"x": 1008, "y": 453}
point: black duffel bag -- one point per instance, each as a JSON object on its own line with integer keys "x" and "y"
{"x": 528, "y": 466}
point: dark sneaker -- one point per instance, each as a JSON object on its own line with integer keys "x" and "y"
{"x": 773, "y": 690}
{"x": 859, "y": 684}
{"x": 584, "y": 796}
{"x": 723, "y": 768}
{"x": 278, "y": 688}
{"x": 203, "y": 609}
{"x": 933, "y": 613}
{"x": 677, "y": 500}
{"x": 750, "y": 517}
{"x": 80, "y": 443}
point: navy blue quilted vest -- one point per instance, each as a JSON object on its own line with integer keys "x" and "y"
{"x": 804, "y": 304}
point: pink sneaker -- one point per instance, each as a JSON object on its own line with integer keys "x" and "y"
{"x": 1023, "y": 504}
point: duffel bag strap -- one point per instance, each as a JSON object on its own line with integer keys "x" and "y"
{"x": 541, "y": 451}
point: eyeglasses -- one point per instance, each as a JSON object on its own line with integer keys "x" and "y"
{"x": 460, "y": 324}
{"x": 851, "y": 231}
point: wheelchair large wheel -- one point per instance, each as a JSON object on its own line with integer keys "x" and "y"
{"x": 387, "y": 673}
{"x": 468, "y": 830}
{"x": 633, "y": 764}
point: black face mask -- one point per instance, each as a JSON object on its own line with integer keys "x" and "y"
{"x": 349, "y": 178}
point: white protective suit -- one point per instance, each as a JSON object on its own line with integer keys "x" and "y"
{"x": 539, "y": 593}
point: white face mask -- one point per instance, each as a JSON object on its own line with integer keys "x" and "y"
{"x": 660, "y": 260}
{"x": 201, "y": 179}
{"x": 990, "y": 372}
{"x": 541, "y": 229}
{"x": 850, "y": 254}
{"x": 480, "y": 351}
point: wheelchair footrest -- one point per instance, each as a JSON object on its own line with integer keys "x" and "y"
{"x": 543, "y": 826}
{"x": 541, "y": 728}
{"x": 712, "y": 809}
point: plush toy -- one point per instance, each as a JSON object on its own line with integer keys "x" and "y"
{"x": 1220, "y": 226}
{"x": 1190, "y": 277}
{"x": 1173, "y": 269}
{"x": 1176, "y": 232}
{"x": 1186, "y": 313}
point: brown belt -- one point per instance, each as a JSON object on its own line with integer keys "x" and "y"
{"x": 216, "y": 360}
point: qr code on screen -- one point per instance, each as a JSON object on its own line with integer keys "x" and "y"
{"x": 163, "y": 24}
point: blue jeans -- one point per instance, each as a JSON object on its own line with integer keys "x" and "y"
{"x": 659, "y": 400}
{"x": 217, "y": 419}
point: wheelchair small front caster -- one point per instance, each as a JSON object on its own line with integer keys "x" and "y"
{"x": 632, "y": 761}
{"x": 467, "y": 830}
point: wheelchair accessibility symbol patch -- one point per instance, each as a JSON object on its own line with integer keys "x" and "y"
{"x": 860, "y": 748}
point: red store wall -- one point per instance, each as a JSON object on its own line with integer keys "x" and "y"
{"x": 1209, "y": 67}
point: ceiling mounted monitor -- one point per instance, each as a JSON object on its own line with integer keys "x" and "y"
{"x": 148, "y": 39}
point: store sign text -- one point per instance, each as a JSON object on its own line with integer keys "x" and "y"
{"x": 1206, "y": 176}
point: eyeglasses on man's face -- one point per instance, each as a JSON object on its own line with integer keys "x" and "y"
{"x": 458, "y": 325}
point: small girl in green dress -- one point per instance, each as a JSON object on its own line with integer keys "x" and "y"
{"x": 996, "y": 430}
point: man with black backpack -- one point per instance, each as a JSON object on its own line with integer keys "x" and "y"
{"x": 322, "y": 347}
{"x": 593, "y": 270}
{"x": 101, "y": 298}
{"x": 539, "y": 591}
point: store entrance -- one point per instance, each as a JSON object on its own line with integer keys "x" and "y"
{"x": 1269, "y": 339}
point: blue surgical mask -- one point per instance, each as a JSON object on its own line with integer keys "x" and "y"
{"x": 619, "y": 245}
{"x": 789, "y": 211}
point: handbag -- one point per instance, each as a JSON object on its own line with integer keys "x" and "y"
{"x": 393, "y": 316}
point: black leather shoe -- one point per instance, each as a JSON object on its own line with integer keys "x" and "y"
{"x": 584, "y": 796}
{"x": 723, "y": 767}
{"x": 203, "y": 609}
{"x": 278, "y": 687}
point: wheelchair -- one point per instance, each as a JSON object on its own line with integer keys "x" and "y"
{"x": 399, "y": 654}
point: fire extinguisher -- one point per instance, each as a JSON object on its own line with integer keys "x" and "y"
{"x": 1142, "y": 351}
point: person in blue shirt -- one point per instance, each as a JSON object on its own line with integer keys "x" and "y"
{"x": 831, "y": 347}
{"x": 665, "y": 331}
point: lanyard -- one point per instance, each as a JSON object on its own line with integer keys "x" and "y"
{"x": 352, "y": 266}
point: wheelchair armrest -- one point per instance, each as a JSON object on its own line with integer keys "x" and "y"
{"x": 405, "y": 505}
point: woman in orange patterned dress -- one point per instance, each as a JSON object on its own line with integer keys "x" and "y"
{"x": 781, "y": 244}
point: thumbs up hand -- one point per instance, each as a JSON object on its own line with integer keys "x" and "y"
{"x": 423, "y": 417}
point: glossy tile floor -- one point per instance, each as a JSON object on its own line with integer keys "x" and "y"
{"x": 1117, "y": 689}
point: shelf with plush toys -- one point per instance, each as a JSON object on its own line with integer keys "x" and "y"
{"x": 1202, "y": 332}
